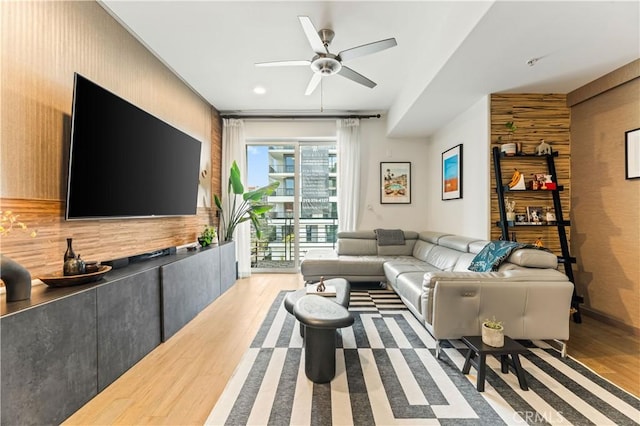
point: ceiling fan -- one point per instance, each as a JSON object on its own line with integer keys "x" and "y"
{"x": 326, "y": 63}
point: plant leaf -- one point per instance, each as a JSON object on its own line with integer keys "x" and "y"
{"x": 235, "y": 179}
{"x": 218, "y": 202}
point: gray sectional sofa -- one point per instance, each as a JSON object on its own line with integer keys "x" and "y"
{"x": 430, "y": 274}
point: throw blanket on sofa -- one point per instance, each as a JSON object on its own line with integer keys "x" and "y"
{"x": 390, "y": 237}
{"x": 493, "y": 254}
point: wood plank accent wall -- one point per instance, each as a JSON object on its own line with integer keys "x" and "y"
{"x": 537, "y": 116}
{"x": 42, "y": 45}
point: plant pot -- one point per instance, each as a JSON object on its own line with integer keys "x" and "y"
{"x": 493, "y": 336}
{"x": 508, "y": 149}
{"x": 511, "y": 216}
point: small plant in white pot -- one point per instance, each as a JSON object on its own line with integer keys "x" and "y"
{"x": 493, "y": 333}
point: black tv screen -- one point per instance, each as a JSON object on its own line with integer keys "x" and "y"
{"x": 126, "y": 163}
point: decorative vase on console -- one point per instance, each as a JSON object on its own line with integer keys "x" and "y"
{"x": 17, "y": 280}
{"x": 69, "y": 254}
{"x": 73, "y": 265}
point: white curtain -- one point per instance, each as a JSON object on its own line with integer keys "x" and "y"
{"x": 233, "y": 149}
{"x": 348, "y": 173}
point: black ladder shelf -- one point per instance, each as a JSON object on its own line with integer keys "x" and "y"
{"x": 566, "y": 259}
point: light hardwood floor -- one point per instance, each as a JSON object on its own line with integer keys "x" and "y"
{"x": 180, "y": 381}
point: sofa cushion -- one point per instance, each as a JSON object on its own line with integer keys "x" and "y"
{"x": 463, "y": 262}
{"x": 396, "y": 267}
{"x": 398, "y": 250}
{"x": 357, "y": 235}
{"x": 422, "y": 249}
{"x": 477, "y": 246}
{"x": 361, "y": 265}
{"x": 409, "y": 286}
{"x": 431, "y": 236}
{"x": 457, "y": 242}
{"x": 533, "y": 258}
{"x": 497, "y": 252}
{"x": 357, "y": 247}
{"x": 443, "y": 258}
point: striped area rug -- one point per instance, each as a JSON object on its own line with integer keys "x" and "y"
{"x": 387, "y": 373}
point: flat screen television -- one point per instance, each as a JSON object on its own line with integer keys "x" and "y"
{"x": 126, "y": 163}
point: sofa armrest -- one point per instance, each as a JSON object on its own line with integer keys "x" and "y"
{"x": 535, "y": 310}
{"x": 533, "y": 304}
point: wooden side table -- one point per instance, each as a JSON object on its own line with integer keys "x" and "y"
{"x": 479, "y": 349}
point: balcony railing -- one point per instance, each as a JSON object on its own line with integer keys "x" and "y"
{"x": 277, "y": 248}
{"x": 290, "y": 192}
{"x": 282, "y": 169}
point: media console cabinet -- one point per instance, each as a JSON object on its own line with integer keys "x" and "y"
{"x": 65, "y": 345}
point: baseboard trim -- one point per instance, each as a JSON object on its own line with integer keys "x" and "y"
{"x": 611, "y": 321}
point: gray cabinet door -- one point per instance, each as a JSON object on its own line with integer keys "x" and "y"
{"x": 129, "y": 323}
{"x": 49, "y": 360}
{"x": 188, "y": 286}
{"x": 227, "y": 265}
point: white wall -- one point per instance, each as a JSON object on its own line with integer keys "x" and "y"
{"x": 469, "y": 216}
{"x": 375, "y": 148}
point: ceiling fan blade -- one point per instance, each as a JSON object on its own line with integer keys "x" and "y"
{"x": 283, "y": 63}
{"x": 313, "y": 83}
{"x": 367, "y": 49}
{"x": 358, "y": 78}
{"x": 312, "y": 35}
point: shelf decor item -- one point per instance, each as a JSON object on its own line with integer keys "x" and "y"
{"x": 493, "y": 333}
{"x": 534, "y": 215}
{"x": 395, "y": 183}
{"x": 208, "y": 236}
{"x": 517, "y": 181}
{"x": 543, "y": 148}
{"x": 510, "y": 205}
{"x": 632, "y": 154}
{"x": 452, "y": 173}
{"x": 61, "y": 280}
{"x": 69, "y": 254}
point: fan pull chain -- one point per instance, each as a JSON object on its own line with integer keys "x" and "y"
{"x": 321, "y": 94}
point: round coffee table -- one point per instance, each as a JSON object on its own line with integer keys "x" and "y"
{"x": 343, "y": 290}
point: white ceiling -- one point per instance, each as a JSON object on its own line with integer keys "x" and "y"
{"x": 449, "y": 53}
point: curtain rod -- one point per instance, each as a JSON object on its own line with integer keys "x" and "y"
{"x": 301, "y": 117}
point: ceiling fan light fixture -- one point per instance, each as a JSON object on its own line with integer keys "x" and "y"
{"x": 326, "y": 65}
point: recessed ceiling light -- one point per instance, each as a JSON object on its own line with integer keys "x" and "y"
{"x": 259, "y": 90}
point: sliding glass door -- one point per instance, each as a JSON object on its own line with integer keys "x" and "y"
{"x": 305, "y": 210}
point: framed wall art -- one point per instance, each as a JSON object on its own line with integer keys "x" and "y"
{"x": 632, "y": 154}
{"x": 452, "y": 173}
{"x": 395, "y": 183}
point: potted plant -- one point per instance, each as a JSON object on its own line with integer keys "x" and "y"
{"x": 493, "y": 333}
{"x": 242, "y": 206}
{"x": 510, "y": 147}
{"x": 208, "y": 236}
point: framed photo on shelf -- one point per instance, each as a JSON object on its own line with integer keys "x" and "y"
{"x": 452, "y": 173}
{"x": 632, "y": 154}
{"x": 535, "y": 215}
{"x": 395, "y": 183}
